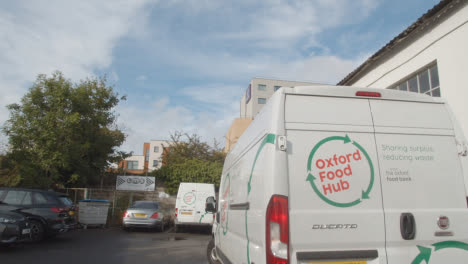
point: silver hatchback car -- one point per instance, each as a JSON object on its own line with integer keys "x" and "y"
{"x": 145, "y": 214}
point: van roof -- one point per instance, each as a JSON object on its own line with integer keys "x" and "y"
{"x": 257, "y": 130}
{"x": 350, "y": 92}
{"x": 191, "y": 183}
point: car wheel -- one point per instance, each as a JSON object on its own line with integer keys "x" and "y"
{"x": 161, "y": 228}
{"x": 211, "y": 253}
{"x": 37, "y": 231}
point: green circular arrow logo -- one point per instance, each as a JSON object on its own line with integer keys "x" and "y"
{"x": 426, "y": 252}
{"x": 190, "y": 198}
{"x": 312, "y": 178}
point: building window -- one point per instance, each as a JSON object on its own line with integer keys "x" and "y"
{"x": 132, "y": 164}
{"x": 147, "y": 155}
{"x": 276, "y": 88}
{"x": 155, "y": 163}
{"x": 262, "y": 87}
{"x": 261, "y": 100}
{"x": 425, "y": 82}
{"x": 156, "y": 149}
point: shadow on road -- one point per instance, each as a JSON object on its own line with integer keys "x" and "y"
{"x": 113, "y": 245}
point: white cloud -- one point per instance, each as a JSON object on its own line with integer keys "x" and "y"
{"x": 222, "y": 42}
{"x": 320, "y": 69}
{"x": 214, "y": 94}
{"x": 269, "y": 38}
{"x": 141, "y": 78}
{"x": 272, "y": 24}
{"x": 75, "y": 37}
{"x": 114, "y": 77}
{"x": 161, "y": 118}
{"x": 247, "y": 39}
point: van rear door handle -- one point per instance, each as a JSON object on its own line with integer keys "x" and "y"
{"x": 407, "y": 226}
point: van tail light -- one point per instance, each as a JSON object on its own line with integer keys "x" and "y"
{"x": 368, "y": 94}
{"x": 125, "y": 214}
{"x": 176, "y": 211}
{"x": 155, "y": 216}
{"x": 277, "y": 230}
{"x": 57, "y": 209}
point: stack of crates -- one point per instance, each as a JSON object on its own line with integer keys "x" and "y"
{"x": 93, "y": 212}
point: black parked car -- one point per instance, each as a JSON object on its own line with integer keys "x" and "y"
{"x": 48, "y": 212}
{"x": 14, "y": 227}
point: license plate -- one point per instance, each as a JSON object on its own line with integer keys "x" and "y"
{"x": 26, "y": 231}
{"x": 139, "y": 215}
{"x": 341, "y": 262}
{"x": 186, "y": 213}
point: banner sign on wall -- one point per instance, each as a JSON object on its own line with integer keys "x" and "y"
{"x": 135, "y": 183}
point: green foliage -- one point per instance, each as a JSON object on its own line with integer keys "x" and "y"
{"x": 185, "y": 146}
{"x": 8, "y": 172}
{"x": 63, "y": 133}
{"x": 190, "y": 160}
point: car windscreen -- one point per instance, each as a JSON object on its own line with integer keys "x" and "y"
{"x": 146, "y": 205}
{"x": 65, "y": 200}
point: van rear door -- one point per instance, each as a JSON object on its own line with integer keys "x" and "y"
{"x": 201, "y": 216}
{"x": 186, "y": 198}
{"x": 335, "y": 199}
{"x": 422, "y": 183}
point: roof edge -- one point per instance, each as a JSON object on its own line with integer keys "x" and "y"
{"x": 421, "y": 23}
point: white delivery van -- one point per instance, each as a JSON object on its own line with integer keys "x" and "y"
{"x": 190, "y": 205}
{"x": 342, "y": 175}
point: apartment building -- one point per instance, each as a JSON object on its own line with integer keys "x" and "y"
{"x": 259, "y": 91}
{"x": 256, "y": 96}
{"x": 152, "y": 158}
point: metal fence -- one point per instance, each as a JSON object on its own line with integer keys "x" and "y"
{"x": 121, "y": 200}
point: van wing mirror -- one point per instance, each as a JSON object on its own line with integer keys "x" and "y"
{"x": 210, "y": 205}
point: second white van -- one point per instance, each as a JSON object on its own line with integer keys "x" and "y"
{"x": 190, "y": 205}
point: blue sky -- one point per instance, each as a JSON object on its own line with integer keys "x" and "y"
{"x": 184, "y": 64}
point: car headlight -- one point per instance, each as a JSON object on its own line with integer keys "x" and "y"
{"x": 7, "y": 220}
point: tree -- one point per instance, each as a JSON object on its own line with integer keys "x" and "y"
{"x": 113, "y": 169}
{"x": 63, "y": 132}
{"x": 8, "y": 172}
{"x": 189, "y": 159}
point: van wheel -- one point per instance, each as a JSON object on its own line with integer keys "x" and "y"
{"x": 211, "y": 253}
{"x": 176, "y": 228}
{"x": 37, "y": 231}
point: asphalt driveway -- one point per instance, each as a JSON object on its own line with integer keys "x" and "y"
{"x": 112, "y": 246}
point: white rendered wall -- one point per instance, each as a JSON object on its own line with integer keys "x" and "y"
{"x": 446, "y": 44}
{"x": 140, "y": 159}
{"x": 156, "y": 155}
{"x": 243, "y": 109}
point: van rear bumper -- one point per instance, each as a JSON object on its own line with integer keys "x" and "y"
{"x": 337, "y": 255}
{"x": 191, "y": 223}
